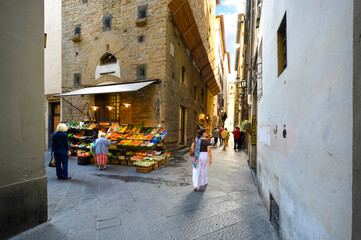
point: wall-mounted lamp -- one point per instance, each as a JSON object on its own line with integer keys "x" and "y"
{"x": 110, "y": 108}
{"x": 127, "y": 105}
{"x": 94, "y": 108}
{"x": 243, "y": 83}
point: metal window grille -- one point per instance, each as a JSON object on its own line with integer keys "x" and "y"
{"x": 77, "y": 29}
{"x": 141, "y": 71}
{"x": 77, "y": 79}
{"x": 142, "y": 11}
{"x": 141, "y": 38}
{"x": 107, "y": 21}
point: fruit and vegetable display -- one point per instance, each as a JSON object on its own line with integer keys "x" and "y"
{"x": 130, "y": 145}
{"x": 135, "y": 137}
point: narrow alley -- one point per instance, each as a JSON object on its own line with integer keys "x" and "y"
{"x": 120, "y": 203}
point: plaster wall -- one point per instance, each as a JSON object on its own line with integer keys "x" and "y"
{"x": 23, "y": 185}
{"x": 52, "y": 52}
{"x": 309, "y": 171}
{"x": 52, "y": 58}
{"x": 356, "y": 150}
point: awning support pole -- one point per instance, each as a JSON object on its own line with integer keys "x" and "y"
{"x": 156, "y": 107}
{"x": 73, "y": 106}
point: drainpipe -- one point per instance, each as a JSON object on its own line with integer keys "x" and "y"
{"x": 250, "y": 52}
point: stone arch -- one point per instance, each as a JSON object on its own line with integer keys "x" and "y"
{"x": 108, "y": 64}
{"x": 106, "y": 43}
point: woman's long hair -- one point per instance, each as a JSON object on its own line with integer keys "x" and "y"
{"x": 200, "y": 132}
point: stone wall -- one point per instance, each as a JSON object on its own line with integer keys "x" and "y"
{"x": 122, "y": 41}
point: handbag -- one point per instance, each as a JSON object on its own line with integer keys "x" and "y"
{"x": 191, "y": 152}
{"x": 52, "y": 161}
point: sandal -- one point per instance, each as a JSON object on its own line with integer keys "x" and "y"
{"x": 195, "y": 189}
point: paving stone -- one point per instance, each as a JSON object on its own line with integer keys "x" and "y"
{"x": 206, "y": 226}
{"x": 234, "y": 232}
{"x": 160, "y": 226}
{"x": 83, "y": 235}
{"x": 162, "y": 236}
{"x": 108, "y": 223}
{"x": 229, "y": 208}
{"x": 113, "y": 233}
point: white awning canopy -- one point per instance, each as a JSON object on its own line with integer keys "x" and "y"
{"x": 124, "y": 87}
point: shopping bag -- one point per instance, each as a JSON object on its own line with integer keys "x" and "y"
{"x": 52, "y": 161}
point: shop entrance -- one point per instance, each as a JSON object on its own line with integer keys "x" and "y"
{"x": 182, "y": 112}
{"x": 101, "y": 101}
{"x": 54, "y": 119}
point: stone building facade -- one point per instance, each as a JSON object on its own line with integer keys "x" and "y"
{"x": 130, "y": 41}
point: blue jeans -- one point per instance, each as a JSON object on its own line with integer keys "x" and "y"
{"x": 61, "y": 160}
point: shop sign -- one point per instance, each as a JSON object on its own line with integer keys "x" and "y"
{"x": 254, "y": 130}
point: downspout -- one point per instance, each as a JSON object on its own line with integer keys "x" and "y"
{"x": 249, "y": 83}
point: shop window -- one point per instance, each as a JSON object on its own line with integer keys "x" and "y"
{"x": 114, "y": 101}
{"x": 183, "y": 74}
{"x": 141, "y": 71}
{"x": 142, "y": 11}
{"x": 282, "y": 45}
{"x": 107, "y": 20}
{"x": 77, "y": 79}
{"x": 77, "y": 29}
{"x": 141, "y": 38}
{"x": 108, "y": 59}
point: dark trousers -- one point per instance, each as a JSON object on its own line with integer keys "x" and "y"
{"x": 61, "y": 160}
{"x": 237, "y": 144}
{"x": 220, "y": 141}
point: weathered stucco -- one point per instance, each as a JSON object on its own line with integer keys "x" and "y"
{"x": 356, "y": 149}
{"x": 23, "y": 191}
{"x": 308, "y": 172}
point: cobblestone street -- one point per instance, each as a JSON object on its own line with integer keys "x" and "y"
{"x": 120, "y": 203}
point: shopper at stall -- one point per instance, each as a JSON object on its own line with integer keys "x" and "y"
{"x": 202, "y": 157}
{"x": 225, "y": 136}
{"x": 61, "y": 151}
{"x": 101, "y": 150}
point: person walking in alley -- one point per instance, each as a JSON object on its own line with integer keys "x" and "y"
{"x": 220, "y": 138}
{"x": 215, "y": 136}
{"x": 225, "y": 136}
{"x": 237, "y": 139}
{"x": 202, "y": 153}
{"x": 101, "y": 151}
{"x": 61, "y": 151}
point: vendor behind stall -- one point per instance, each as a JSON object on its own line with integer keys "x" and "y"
{"x": 101, "y": 151}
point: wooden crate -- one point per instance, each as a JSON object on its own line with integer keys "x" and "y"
{"x": 161, "y": 162}
{"x": 124, "y": 162}
{"x": 115, "y": 161}
{"x": 155, "y": 165}
{"x": 144, "y": 169}
{"x": 131, "y": 162}
{"x": 166, "y": 160}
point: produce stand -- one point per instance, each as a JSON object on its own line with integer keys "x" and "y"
{"x": 130, "y": 145}
{"x": 80, "y": 137}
